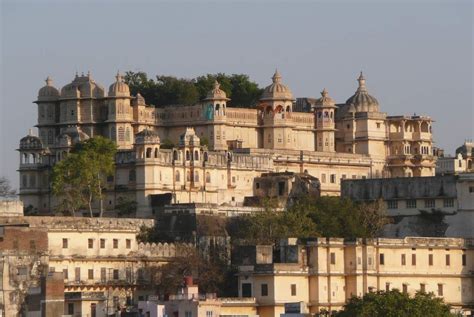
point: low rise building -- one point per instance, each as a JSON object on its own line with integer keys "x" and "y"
{"x": 325, "y": 273}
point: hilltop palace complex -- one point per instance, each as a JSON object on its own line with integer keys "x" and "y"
{"x": 218, "y": 150}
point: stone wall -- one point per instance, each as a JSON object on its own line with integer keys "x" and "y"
{"x": 11, "y": 208}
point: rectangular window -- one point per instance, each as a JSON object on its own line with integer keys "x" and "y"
{"x": 413, "y": 259}
{"x": 246, "y": 290}
{"x": 382, "y": 259}
{"x": 116, "y": 274}
{"x": 422, "y": 288}
{"x": 392, "y": 204}
{"x": 405, "y": 288}
{"x": 387, "y": 287}
{"x": 404, "y": 260}
{"x": 128, "y": 243}
{"x": 64, "y": 243}
{"x": 102, "y": 243}
{"x": 293, "y": 289}
{"x": 411, "y": 203}
{"x": 90, "y": 243}
{"x": 429, "y": 203}
{"x": 323, "y": 178}
{"x": 440, "y": 289}
{"x": 333, "y": 258}
{"x": 77, "y": 274}
{"x": 464, "y": 260}
{"x": 264, "y": 289}
{"x": 430, "y": 259}
{"x": 333, "y": 178}
{"x": 448, "y": 202}
{"x": 209, "y": 313}
{"x": 448, "y": 260}
{"x": 90, "y": 274}
{"x": 65, "y": 274}
{"x": 115, "y": 243}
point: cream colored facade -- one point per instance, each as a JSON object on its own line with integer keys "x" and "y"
{"x": 325, "y": 273}
{"x": 333, "y": 142}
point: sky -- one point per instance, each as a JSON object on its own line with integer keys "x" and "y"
{"x": 417, "y": 56}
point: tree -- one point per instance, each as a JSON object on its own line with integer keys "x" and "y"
{"x": 82, "y": 174}
{"x": 396, "y": 304}
{"x": 5, "y": 189}
{"x": 126, "y": 206}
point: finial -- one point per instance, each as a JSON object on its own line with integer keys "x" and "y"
{"x": 324, "y": 93}
{"x": 30, "y": 132}
{"x": 361, "y": 81}
{"x": 89, "y": 73}
{"x": 77, "y": 74}
{"x": 49, "y": 81}
{"x": 216, "y": 84}
{"x": 118, "y": 76}
{"x": 276, "y": 77}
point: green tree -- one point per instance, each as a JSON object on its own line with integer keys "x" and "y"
{"x": 126, "y": 206}
{"x": 82, "y": 174}
{"x": 396, "y": 304}
{"x": 167, "y": 144}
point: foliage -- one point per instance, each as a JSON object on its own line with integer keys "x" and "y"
{"x": 5, "y": 188}
{"x": 270, "y": 225}
{"x": 80, "y": 177}
{"x": 395, "y": 304}
{"x": 126, "y": 206}
{"x": 204, "y": 141}
{"x": 169, "y": 90}
{"x": 167, "y": 144}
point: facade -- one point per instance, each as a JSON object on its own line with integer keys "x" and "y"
{"x": 325, "y": 273}
{"x": 332, "y": 142}
{"x": 460, "y": 163}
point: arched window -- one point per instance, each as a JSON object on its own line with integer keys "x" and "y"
{"x": 188, "y": 156}
{"x": 177, "y": 176}
{"x": 25, "y": 158}
{"x": 208, "y": 177}
{"x": 217, "y": 109}
{"x": 148, "y": 152}
{"x": 196, "y": 176}
{"x": 156, "y": 152}
{"x": 288, "y": 108}
{"x": 196, "y": 155}
{"x": 175, "y": 155}
{"x": 188, "y": 176}
{"x": 205, "y": 157}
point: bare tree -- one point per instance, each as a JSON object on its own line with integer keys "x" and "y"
{"x": 6, "y": 191}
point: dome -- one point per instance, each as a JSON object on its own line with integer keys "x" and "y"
{"x": 362, "y": 101}
{"x": 277, "y": 91}
{"x": 139, "y": 100}
{"x": 325, "y": 100}
{"x": 216, "y": 93}
{"x": 147, "y": 137}
{"x": 31, "y": 142}
{"x": 189, "y": 138}
{"x": 48, "y": 92}
{"x": 83, "y": 87}
{"x": 119, "y": 88}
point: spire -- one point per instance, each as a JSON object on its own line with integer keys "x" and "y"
{"x": 361, "y": 81}
{"x": 49, "y": 81}
{"x": 324, "y": 93}
{"x": 118, "y": 77}
{"x": 276, "y": 77}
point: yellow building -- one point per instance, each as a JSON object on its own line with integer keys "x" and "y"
{"x": 325, "y": 273}
{"x": 332, "y": 142}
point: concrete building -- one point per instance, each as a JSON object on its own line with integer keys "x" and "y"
{"x": 332, "y": 142}
{"x": 440, "y": 205}
{"x": 325, "y": 273}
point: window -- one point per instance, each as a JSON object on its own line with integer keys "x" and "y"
{"x": 333, "y": 258}
{"x": 471, "y": 189}
{"x": 411, "y": 203}
{"x": 382, "y": 259}
{"x": 464, "y": 260}
{"x": 413, "y": 259}
{"x": 448, "y": 260}
{"x": 293, "y": 289}
{"x": 116, "y": 274}
{"x": 65, "y": 274}
{"x": 448, "y": 202}
{"x": 440, "y": 289}
{"x": 90, "y": 274}
{"x": 430, "y": 259}
{"x": 102, "y": 243}
{"x": 209, "y": 313}
{"x": 333, "y": 178}
{"x": 405, "y": 288}
{"x": 387, "y": 287}
{"x": 264, "y": 289}
{"x": 77, "y": 274}
{"x": 323, "y": 178}
{"x": 378, "y": 125}
{"x": 429, "y": 203}
{"x": 257, "y": 185}
{"x": 422, "y": 288}
{"x": 90, "y": 243}
{"x": 392, "y": 204}
{"x": 115, "y": 243}
{"x": 70, "y": 308}
{"x": 246, "y": 290}
{"x": 128, "y": 274}
{"x": 103, "y": 274}
{"x": 128, "y": 243}
{"x": 281, "y": 188}
{"x": 404, "y": 260}
{"x": 64, "y": 243}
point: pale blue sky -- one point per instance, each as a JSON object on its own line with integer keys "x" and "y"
{"x": 417, "y": 55}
